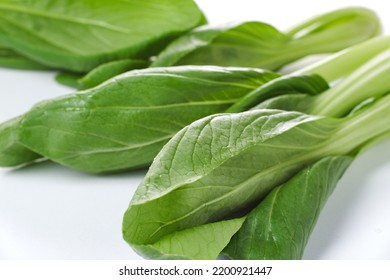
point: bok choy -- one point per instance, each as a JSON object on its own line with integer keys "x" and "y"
{"x": 220, "y": 167}
{"x": 257, "y": 44}
{"x": 123, "y": 123}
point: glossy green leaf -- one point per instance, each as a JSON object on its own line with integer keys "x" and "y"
{"x": 256, "y": 44}
{"x": 80, "y": 35}
{"x": 123, "y": 123}
{"x": 222, "y": 166}
{"x": 280, "y": 226}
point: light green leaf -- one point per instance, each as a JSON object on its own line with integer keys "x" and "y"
{"x": 80, "y": 35}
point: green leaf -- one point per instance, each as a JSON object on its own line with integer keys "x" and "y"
{"x": 256, "y": 44}
{"x": 100, "y": 74}
{"x": 13, "y": 60}
{"x": 69, "y": 79}
{"x": 219, "y": 166}
{"x": 203, "y": 242}
{"x": 123, "y": 123}
{"x": 280, "y": 226}
{"x": 284, "y": 87}
{"x": 228, "y": 44}
{"x": 294, "y": 102}
{"x": 108, "y": 70}
{"x": 80, "y": 35}
{"x": 12, "y": 152}
{"x": 222, "y": 166}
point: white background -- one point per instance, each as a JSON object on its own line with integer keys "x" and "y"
{"x": 50, "y": 212}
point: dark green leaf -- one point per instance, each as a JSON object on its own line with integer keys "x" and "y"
{"x": 280, "y": 227}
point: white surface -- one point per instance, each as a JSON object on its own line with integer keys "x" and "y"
{"x": 50, "y": 212}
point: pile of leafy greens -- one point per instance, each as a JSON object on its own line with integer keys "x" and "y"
{"x": 93, "y": 43}
{"x": 251, "y": 183}
{"x": 242, "y": 158}
{"x": 123, "y": 123}
{"x": 252, "y": 44}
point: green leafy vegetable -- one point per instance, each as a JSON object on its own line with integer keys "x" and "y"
{"x": 152, "y": 112}
{"x": 280, "y": 237}
{"x": 279, "y": 228}
{"x": 256, "y": 44}
{"x": 80, "y": 35}
{"x": 123, "y": 123}
{"x": 221, "y": 166}
{"x": 284, "y": 89}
